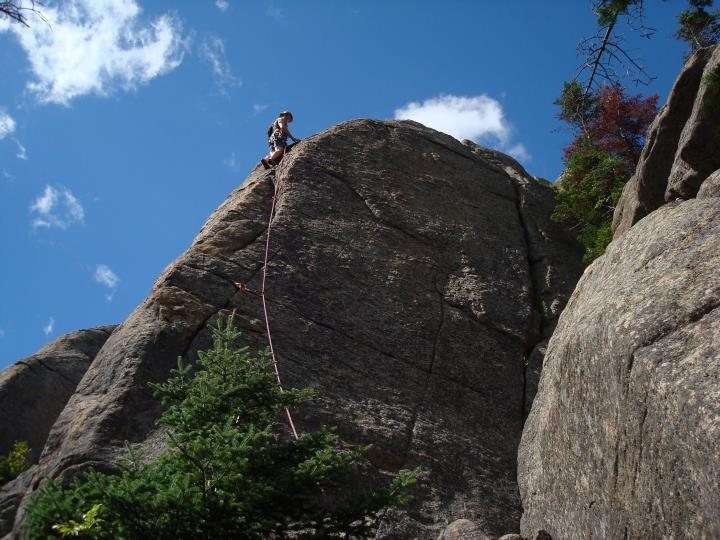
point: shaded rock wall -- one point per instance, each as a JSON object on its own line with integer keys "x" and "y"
{"x": 403, "y": 284}
{"x": 35, "y": 389}
{"x": 683, "y": 144}
{"x": 554, "y": 257}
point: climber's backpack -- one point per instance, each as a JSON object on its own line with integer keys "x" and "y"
{"x": 271, "y": 128}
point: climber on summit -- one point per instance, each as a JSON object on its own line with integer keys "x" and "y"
{"x": 278, "y": 134}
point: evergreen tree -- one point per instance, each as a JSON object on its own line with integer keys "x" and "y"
{"x": 609, "y": 134}
{"x": 698, "y": 27}
{"x": 230, "y": 470}
{"x": 609, "y": 126}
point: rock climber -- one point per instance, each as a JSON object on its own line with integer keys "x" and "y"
{"x": 278, "y": 134}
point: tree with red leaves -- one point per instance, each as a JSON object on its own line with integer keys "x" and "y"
{"x": 612, "y": 122}
{"x": 610, "y": 129}
{"x": 609, "y": 126}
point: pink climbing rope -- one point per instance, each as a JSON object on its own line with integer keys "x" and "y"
{"x": 265, "y": 309}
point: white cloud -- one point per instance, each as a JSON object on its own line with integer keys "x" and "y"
{"x": 519, "y": 152}
{"x": 7, "y": 124}
{"x": 21, "y": 150}
{"x": 7, "y": 128}
{"x": 478, "y": 118}
{"x": 7, "y": 175}
{"x": 49, "y": 328}
{"x": 2, "y": 333}
{"x": 258, "y": 108}
{"x": 105, "y": 276}
{"x": 222, "y": 5}
{"x": 462, "y": 117}
{"x": 212, "y": 51}
{"x": 57, "y": 208}
{"x": 96, "y": 47}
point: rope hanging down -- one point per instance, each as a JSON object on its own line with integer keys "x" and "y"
{"x": 261, "y": 294}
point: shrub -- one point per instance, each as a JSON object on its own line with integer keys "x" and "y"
{"x": 15, "y": 462}
{"x": 587, "y": 196}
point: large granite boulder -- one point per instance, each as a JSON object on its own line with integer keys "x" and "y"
{"x": 623, "y": 440}
{"x": 35, "y": 389}
{"x": 683, "y": 143}
{"x": 405, "y": 278}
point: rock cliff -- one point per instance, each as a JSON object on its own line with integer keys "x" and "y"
{"x": 33, "y": 392}
{"x": 683, "y": 143}
{"x": 35, "y": 389}
{"x": 410, "y": 281}
{"x": 623, "y": 437}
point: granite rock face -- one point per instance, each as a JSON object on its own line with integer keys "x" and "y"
{"x": 463, "y": 529}
{"x": 34, "y": 390}
{"x": 710, "y": 187}
{"x": 404, "y": 280}
{"x": 554, "y": 255}
{"x": 623, "y": 440}
{"x": 683, "y": 143}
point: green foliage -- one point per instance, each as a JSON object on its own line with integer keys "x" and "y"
{"x": 575, "y": 106}
{"x": 712, "y": 83}
{"x": 542, "y": 308}
{"x": 699, "y": 28}
{"x": 90, "y": 522}
{"x": 15, "y": 462}
{"x": 587, "y": 196}
{"x": 608, "y": 11}
{"x": 596, "y": 238}
{"x": 230, "y": 471}
{"x": 712, "y": 80}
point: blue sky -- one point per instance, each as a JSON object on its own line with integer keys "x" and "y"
{"x": 124, "y": 123}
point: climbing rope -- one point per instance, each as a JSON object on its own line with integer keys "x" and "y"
{"x": 261, "y": 293}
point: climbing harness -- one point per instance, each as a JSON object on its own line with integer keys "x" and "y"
{"x": 261, "y": 293}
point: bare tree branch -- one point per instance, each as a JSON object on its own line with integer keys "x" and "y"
{"x": 605, "y": 52}
{"x": 16, "y": 10}
{"x": 598, "y": 56}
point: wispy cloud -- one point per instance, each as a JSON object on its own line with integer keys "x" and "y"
{"x": 7, "y": 124}
{"x": 275, "y": 12}
{"x": 96, "y": 47}
{"x": 519, "y": 152}
{"x": 478, "y": 118}
{"x": 7, "y": 128}
{"x": 232, "y": 162}
{"x": 258, "y": 108}
{"x": 21, "y": 151}
{"x": 56, "y": 208}
{"x": 7, "y": 176}
{"x": 2, "y": 333}
{"x": 49, "y": 328}
{"x": 212, "y": 50}
{"x": 105, "y": 276}
{"x": 222, "y": 5}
